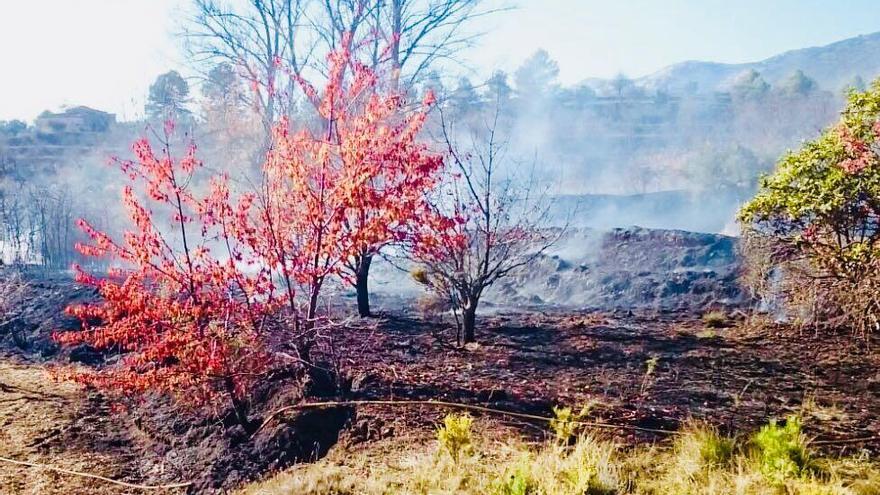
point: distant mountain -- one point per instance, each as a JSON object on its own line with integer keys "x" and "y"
{"x": 833, "y": 66}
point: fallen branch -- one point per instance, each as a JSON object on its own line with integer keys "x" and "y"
{"x": 844, "y": 441}
{"x": 95, "y": 476}
{"x": 454, "y": 405}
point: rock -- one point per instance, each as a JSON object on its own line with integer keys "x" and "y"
{"x": 472, "y": 346}
{"x": 358, "y": 382}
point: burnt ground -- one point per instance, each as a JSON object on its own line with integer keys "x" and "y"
{"x": 631, "y": 268}
{"x": 734, "y": 377}
{"x": 48, "y": 421}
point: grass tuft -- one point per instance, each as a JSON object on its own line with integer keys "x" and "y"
{"x": 715, "y": 319}
{"x": 782, "y": 450}
{"x": 455, "y": 436}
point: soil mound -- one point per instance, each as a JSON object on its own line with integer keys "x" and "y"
{"x": 633, "y": 268}
{"x": 32, "y": 308}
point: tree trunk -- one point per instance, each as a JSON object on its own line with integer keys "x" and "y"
{"x": 469, "y": 322}
{"x": 361, "y": 285}
{"x": 396, "y": 25}
{"x": 239, "y": 408}
{"x": 312, "y": 310}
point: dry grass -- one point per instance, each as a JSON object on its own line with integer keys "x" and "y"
{"x": 812, "y": 409}
{"x": 699, "y": 461}
{"x": 715, "y": 319}
{"x": 34, "y": 411}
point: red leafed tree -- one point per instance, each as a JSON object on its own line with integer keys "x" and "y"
{"x": 361, "y": 180}
{"x": 187, "y": 301}
{"x": 198, "y": 275}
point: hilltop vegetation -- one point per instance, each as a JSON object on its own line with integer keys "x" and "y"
{"x": 835, "y": 66}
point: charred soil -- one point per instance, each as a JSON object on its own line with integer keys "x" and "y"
{"x": 650, "y": 370}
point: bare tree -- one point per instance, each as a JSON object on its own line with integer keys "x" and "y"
{"x": 504, "y": 223}
{"x": 52, "y": 223}
{"x": 13, "y": 218}
{"x": 408, "y": 35}
{"x": 267, "y": 40}
{"x": 422, "y": 32}
{"x": 37, "y": 225}
{"x": 255, "y": 37}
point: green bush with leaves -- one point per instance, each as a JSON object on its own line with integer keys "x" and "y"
{"x": 517, "y": 481}
{"x": 782, "y": 450}
{"x": 455, "y": 435}
{"x": 819, "y": 216}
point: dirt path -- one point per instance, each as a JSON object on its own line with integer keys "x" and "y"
{"x": 47, "y": 422}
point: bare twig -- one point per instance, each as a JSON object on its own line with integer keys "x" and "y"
{"x": 95, "y": 476}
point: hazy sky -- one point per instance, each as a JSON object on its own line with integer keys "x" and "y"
{"x": 105, "y": 53}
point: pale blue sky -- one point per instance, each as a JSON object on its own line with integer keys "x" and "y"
{"x": 599, "y": 38}
{"x": 104, "y": 53}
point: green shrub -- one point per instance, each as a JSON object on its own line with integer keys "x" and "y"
{"x": 565, "y": 422}
{"x": 814, "y": 222}
{"x": 517, "y": 482}
{"x": 782, "y": 450}
{"x": 455, "y": 435}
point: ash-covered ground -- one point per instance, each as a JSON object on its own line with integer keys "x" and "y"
{"x": 632, "y": 268}
{"x": 620, "y": 269}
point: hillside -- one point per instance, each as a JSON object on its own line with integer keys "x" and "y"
{"x": 833, "y": 66}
